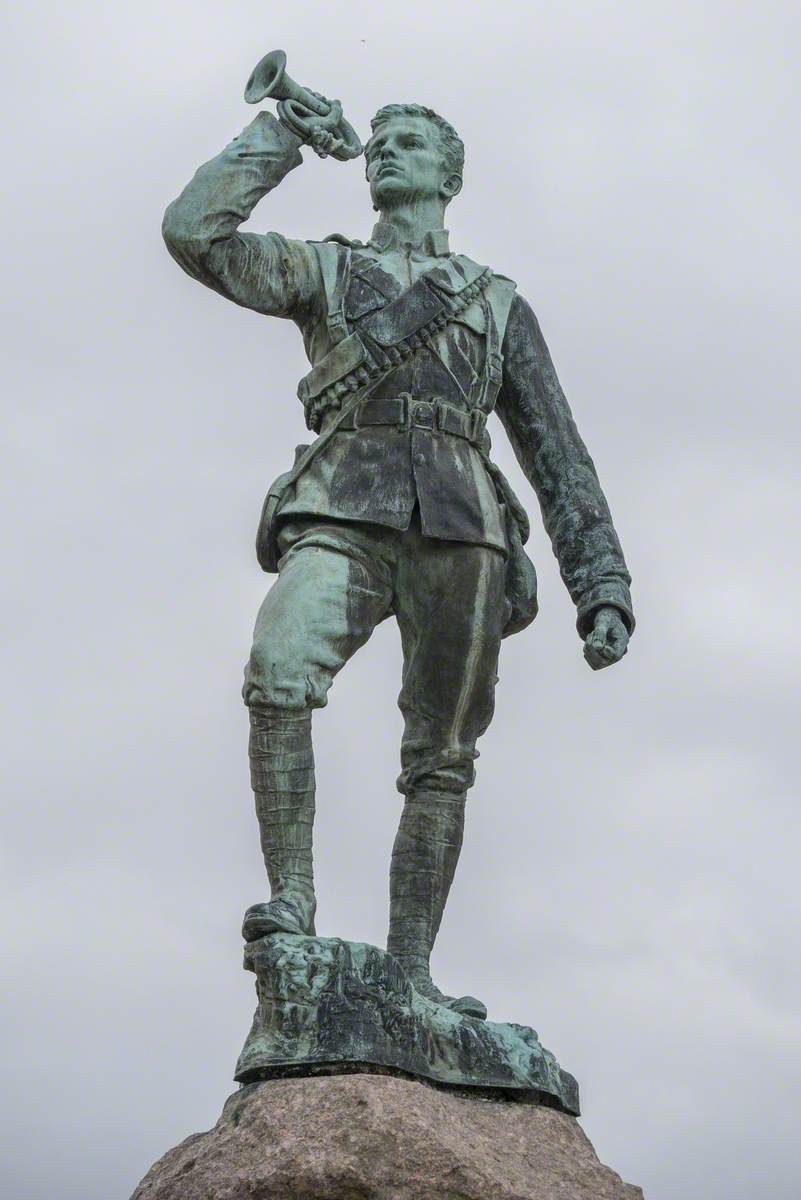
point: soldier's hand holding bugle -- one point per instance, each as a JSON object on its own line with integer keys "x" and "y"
{"x": 312, "y": 117}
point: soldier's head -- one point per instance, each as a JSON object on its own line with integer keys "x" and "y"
{"x": 412, "y": 155}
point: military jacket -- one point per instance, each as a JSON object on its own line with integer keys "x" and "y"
{"x": 490, "y": 352}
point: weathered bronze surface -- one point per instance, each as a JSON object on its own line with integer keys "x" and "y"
{"x": 395, "y": 508}
{"x": 334, "y": 1004}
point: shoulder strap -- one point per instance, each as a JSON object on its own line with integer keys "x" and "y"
{"x": 456, "y": 273}
{"x": 500, "y": 294}
{"x": 334, "y": 259}
{"x": 497, "y": 302}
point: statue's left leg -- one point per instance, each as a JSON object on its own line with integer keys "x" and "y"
{"x": 451, "y": 609}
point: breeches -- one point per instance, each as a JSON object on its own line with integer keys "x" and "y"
{"x": 336, "y": 582}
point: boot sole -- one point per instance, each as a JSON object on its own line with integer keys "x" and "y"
{"x": 259, "y": 925}
{"x": 468, "y": 1006}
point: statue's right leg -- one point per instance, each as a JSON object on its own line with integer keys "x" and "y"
{"x": 324, "y": 605}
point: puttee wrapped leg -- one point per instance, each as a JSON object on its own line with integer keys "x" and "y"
{"x": 282, "y": 775}
{"x": 424, "y": 859}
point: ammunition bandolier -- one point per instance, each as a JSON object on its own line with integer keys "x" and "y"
{"x": 389, "y": 336}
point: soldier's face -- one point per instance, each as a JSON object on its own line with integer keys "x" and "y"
{"x": 405, "y": 162}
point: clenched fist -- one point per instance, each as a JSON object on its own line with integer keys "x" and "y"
{"x": 608, "y": 640}
{"x": 323, "y": 137}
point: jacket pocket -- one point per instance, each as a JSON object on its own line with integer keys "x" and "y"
{"x": 267, "y": 532}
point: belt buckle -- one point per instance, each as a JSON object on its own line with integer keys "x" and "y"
{"x": 421, "y": 414}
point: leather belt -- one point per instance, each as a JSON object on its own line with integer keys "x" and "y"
{"x": 406, "y": 412}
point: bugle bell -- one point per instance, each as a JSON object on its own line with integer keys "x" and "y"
{"x": 299, "y": 108}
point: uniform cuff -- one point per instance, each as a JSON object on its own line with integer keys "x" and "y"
{"x": 612, "y": 594}
{"x": 268, "y": 137}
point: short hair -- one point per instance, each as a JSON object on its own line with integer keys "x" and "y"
{"x": 452, "y": 144}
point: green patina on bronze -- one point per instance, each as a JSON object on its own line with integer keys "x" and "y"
{"x": 395, "y": 508}
{"x": 337, "y": 1005}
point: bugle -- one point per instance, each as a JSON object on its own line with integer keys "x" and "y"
{"x": 299, "y": 108}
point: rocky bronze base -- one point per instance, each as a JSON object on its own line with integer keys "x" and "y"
{"x": 360, "y": 1137}
{"x": 327, "y": 1006}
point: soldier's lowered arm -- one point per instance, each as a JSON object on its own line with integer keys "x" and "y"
{"x": 265, "y": 272}
{"x": 540, "y": 426}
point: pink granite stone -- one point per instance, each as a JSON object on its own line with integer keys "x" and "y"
{"x": 372, "y": 1137}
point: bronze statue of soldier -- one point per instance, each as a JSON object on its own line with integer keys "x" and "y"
{"x": 396, "y": 507}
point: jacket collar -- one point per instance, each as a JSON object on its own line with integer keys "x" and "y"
{"x": 435, "y": 243}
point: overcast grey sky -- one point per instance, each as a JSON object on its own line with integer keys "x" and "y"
{"x": 630, "y": 880}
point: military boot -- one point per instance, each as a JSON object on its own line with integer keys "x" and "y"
{"x": 424, "y": 860}
{"x": 282, "y": 775}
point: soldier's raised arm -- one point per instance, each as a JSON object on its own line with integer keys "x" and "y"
{"x": 540, "y": 425}
{"x": 266, "y": 272}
